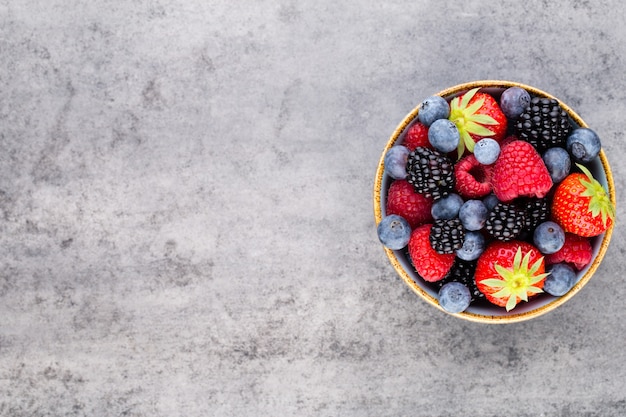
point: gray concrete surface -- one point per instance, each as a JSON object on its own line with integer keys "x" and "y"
{"x": 186, "y": 224}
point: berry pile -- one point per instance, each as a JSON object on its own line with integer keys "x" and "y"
{"x": 492, "y": 200}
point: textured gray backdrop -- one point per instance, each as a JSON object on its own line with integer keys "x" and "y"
{"x": 186, "y": 222}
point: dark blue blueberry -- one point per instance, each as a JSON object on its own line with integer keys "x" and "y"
{"x": 395, "y": 162}
{"x": 514, "y": 101}
{"x": 394, "y": 232}
{"x": 487, "y": 151}
{"x": 558, "y": 162}
{"x": 583, "y": 144}
{"x": 473, "y": 214}
{"x": 454, "y": 297}
{"x": 490, "y": 201}
{"x": 473, "y": 246}
{"x": 549, "y": 237}
{"x": 447, "y": 208}
{"x": 433, "y": 108}
{"x": 444, "y": 135}
{"x": 561, "y": 279}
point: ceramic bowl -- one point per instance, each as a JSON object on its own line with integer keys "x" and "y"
{"x": 487, "y": 313}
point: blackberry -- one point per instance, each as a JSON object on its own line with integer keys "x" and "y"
{"x": 544, "y": 124}
{"x": 537, "y": 211}
{"x": 506, "y": 221}
{"x": 430, "y": 172}
{"x": 463, "y": 272}
{"x": 446, "y": 236}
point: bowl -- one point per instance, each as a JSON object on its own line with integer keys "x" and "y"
{"x": 536, "y": 306}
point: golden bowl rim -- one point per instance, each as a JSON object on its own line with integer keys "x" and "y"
{"x": 514, "y": 317}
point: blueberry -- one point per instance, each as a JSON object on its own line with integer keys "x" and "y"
{"x": 583, "y": 144}
{"x": 514, "y": 101}
{"x": 561, "y": 279}
{"x": 558, "y": 162}
{"x": 549, "y": 237}
{"x": 473, "y": 246}
{"x": 473, "y": 214}
{"x": 487, "y": 151}
{"x": 454, "y": 297}
{"x": 444, "y": 135}
{"x": 433, "y": 108}
{"x": 395, "y": 162}
{"x": 490, "y": 201}
{"x": 447, "y": 208}
{"x": 394, "y": 232}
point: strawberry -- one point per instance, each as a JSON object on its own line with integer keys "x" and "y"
{"x": 417, "y": 135}
{"x": 520, "y": 171}
{"x": 509, "y": 272}
{"x": 472, "y": 179}
{"x": 430, "y": 265}
{"x": 581, "y": 205}
{"x": 576, "y": 251}
{"x": 477, "y": 115}
{"x": 404, "y": 201}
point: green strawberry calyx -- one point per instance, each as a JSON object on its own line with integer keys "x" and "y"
{"x": 517, "y": 281}
{"x": 469, "y": 121}
{"x": 599, "y": 202}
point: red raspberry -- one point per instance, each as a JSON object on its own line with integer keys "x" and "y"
{"x": 404, "y": 201}
{"x": 576, "y": 251}
{"x": 508, "y": 140}
{"x": 520, "y": 171}
{"x": 430, "y": 265}
{"x": 417, "y": 135}
{"x": 472, "y": 179}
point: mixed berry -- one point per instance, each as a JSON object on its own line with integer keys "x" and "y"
{"x": 492, "y": 200}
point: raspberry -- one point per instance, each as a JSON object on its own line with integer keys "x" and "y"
{"x": 576, "y": 251}
{"x": 417, "y": 135}
{"x": 430, "y": 265}
{"x": 508, "y": 140}
{"x": 405, "y": 202}
{"x": 520, "y": 171}
{"x": 473, "y": 180}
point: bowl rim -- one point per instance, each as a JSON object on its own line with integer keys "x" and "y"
{"x": 481, "y": 318}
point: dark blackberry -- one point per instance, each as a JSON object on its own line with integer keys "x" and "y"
{"x": 506, "y": 221}
{"x": 544, "y": 124}
{"x": 463, "y": 272}
{"x": 446, "y": 236}
{"x": 430, "y": 172}
{"x": 537, "y": 211}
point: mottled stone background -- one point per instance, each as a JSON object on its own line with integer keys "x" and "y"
{"x": 186, "y": 222}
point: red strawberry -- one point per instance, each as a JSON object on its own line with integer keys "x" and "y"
{"x": 509, "y": 272}
{"x": 581, "y": 205}
{"x": 472, "y": 179}
{"x": 520, "y": 171}
{"x": 430, "y": 265}
{"x": 477, "y": 115}
{"x": 576, "y": 251}
{"x": 404, "y": 201}
{"x": 417, "y": 135}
